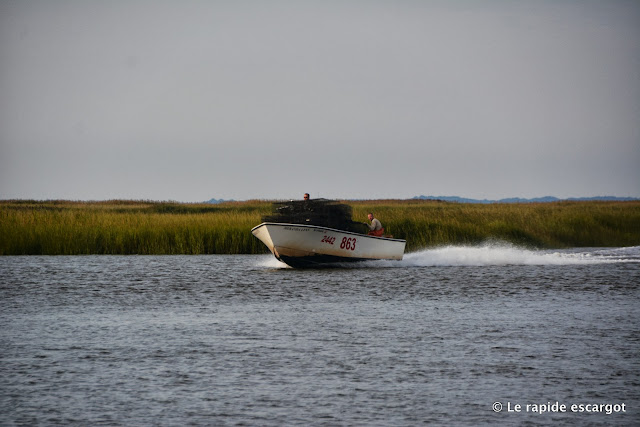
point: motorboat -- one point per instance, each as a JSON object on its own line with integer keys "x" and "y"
{"x": 319, "y": 233}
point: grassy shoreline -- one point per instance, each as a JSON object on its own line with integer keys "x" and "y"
{"x": 29, "y": 227}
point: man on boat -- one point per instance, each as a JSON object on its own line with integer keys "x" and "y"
{"x": 375, "y": 229}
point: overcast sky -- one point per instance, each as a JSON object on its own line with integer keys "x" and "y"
{"x": 192, "y": 100}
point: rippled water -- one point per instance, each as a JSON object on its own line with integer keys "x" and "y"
{"x": 439, "y": 338}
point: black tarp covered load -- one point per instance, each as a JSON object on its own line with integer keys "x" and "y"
{"x": 320, "y": 212}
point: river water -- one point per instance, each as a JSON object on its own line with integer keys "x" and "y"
{"x": 448, "y": 336}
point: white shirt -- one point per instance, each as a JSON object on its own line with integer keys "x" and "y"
{"x": 375, "y": 225}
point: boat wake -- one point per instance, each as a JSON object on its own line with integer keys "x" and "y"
{"x": 505, "y": 254}
{"x": 495, "y": 254}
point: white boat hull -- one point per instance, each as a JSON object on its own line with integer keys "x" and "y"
{"x": 308, "y": 245}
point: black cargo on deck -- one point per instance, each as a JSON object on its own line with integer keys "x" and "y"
{"x": 319, "y": 212}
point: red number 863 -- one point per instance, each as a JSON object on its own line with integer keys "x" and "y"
{"x": 348, "y": 243}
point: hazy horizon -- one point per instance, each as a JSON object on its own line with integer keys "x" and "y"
{"x": 193, "y": 100}
{"x": 295, "y": 197}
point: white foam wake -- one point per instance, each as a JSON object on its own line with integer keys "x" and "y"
{"x": 497, "y": 254}
{"x": 505, "y": 254}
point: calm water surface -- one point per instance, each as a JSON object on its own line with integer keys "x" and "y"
{"x": 443, "y": 338}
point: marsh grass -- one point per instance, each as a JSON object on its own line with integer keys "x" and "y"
{"x": 535, "y": 225}
{"x": 56, "y": 228}
{"x": 145, "y": 227}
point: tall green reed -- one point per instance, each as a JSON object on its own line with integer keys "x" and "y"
{"x": 143, "y": 227}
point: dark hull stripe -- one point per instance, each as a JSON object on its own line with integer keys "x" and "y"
{"x": 317, "y": 261}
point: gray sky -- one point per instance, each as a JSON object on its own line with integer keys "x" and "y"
{"x": 189, "y": 100}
